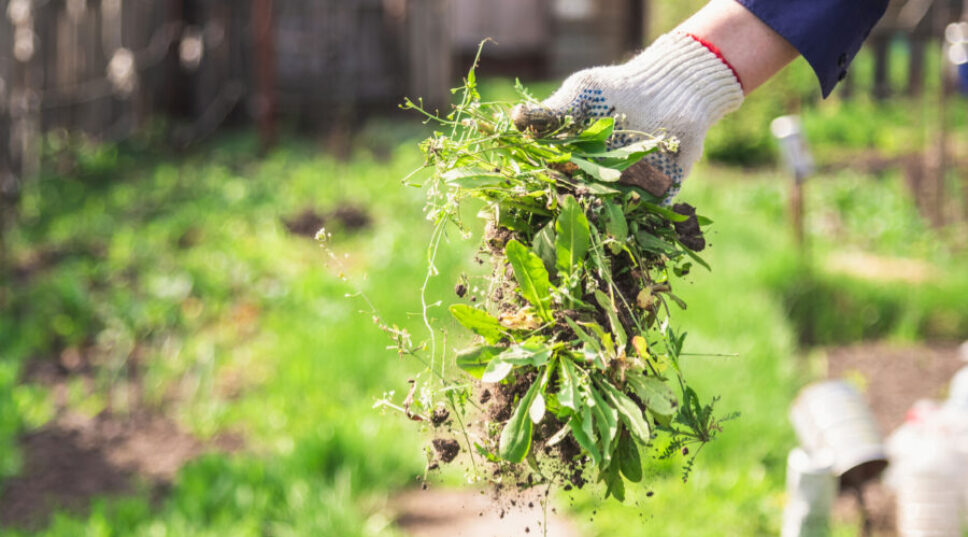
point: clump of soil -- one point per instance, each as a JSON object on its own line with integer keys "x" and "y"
{"x": 439, "y": 416}
{"x": 689, "y": 233}
{"x": 447, "y": 449}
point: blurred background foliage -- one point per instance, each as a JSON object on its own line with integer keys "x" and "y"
{"x": 143, "y": 277}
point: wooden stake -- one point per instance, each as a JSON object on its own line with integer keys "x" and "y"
{"x": 265, "y": 70}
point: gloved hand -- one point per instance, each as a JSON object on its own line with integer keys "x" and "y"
{"x": 678, "y": 86}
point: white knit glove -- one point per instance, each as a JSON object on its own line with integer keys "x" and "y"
{"x": 676, "y": 87}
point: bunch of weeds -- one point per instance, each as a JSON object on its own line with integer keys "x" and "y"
{"x": 574, "y": 369}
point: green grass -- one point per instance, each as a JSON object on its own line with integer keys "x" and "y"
{"x": 246, "y": 300}
{"x": 185, "y": 259}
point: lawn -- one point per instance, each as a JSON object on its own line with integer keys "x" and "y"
{"x": 176, "y": 277}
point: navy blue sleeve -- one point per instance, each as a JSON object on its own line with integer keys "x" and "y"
{"x": 828, "y": 33}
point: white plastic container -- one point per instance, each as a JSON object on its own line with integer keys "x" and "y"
{"x": 811, "y": 487}
{"x": 833, "y": 422}
{"x": 958, "y": 390}
{"x": 930, "y": 488}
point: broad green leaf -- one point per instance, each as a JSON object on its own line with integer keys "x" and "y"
{"x": 668, "y": 214}
{"x": 616, "y": 226}
{"x": 629, "y": 413}
{"x": 525, "y": 354}
{"x": 544, "y": 246}
{"x": 614, "y": 485}
{"x": 478, "y": 321}
{"x": 473, "y": 178}
{"x": 609, "y": 306}
{"x": 655, "y": 394}
{"x": 531, "y": 275}
{"x": 597, "y": 171}
{"x": 476, "y": 359}
{"x": 568, "y": 384}
{"x": 496, "y": 371}
{"x": 582, "y": 428}
{"x": 573, "y": 237}
{"x": 537, "y": 410}
{"x": 606, "y": 418}
{"x": 601, "y": 130}
{"x": 635, "y": 150}
{"x": 515, "y": 440}
{"x": 650, "y": 242}
{"x": 629, "y": 460}
{"x": 602, "y": 190}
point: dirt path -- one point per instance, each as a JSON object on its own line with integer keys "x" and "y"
{"x": 469, "y": 513}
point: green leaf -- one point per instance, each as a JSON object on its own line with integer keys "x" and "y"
{"x": 472, "y": 178}
{"x": 655, "y": 394}
{"x": 629, "y": 460}
{"x": 496, "y": 371}
{"x": 650, "y": 242}
{"x": 635, "y": 151}
{"x": 544, "y": 246}
{"x": 668, "y": 214}
{"x": 606, "y": 418}
{"x": 614, "y": 485}
{"x": 475, "y": 360}
{"x": 568, "y": 385}
{"x": 582, "y": 428}
{"x": 478, "y": 321}
{"x": 537, "y": 409}
{"x": 606, "y": 303}
{"x": 573, "y": 237}
{"x": 616, "y": 226}
{"x": 597, "y": 171}
{"x": 629, "y": 412}
{"x": 532, "y": 277}
{"x": 600, "y": 131}
{"x": 515, "y": 440}
{"x": 525, "y": 354}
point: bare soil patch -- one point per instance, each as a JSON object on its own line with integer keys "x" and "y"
{"x": 469, "y": 513}
{"x": 76, "y": 457}
{"x": 347, "y": 217}
{"x": 894, "y": 377}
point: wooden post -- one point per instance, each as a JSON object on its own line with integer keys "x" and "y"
{"x": 797, "y": 213}
{"x": 915, "y": 65}
{"x": 938, "y": 155}
{"x": 265, "y": 70}
{"x": 881, "y": 45}
{"x": 429, "y": 55}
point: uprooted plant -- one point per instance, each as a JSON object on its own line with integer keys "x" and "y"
{"x": 575, "y": 364}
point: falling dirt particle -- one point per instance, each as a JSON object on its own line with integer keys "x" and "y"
{"x": 685, "y": 451}
{"x": 650, "y": 494}
{"x": 486, "y": 396}
{"x": 439, "y": 417}
{"x": 527, "y": 529}
{"x": 460, "y": 290}
{"x": 446, "y": 448}
{"x": 531, "y": 505}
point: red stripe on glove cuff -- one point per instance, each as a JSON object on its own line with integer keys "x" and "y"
{"x": 715, "y": 50}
